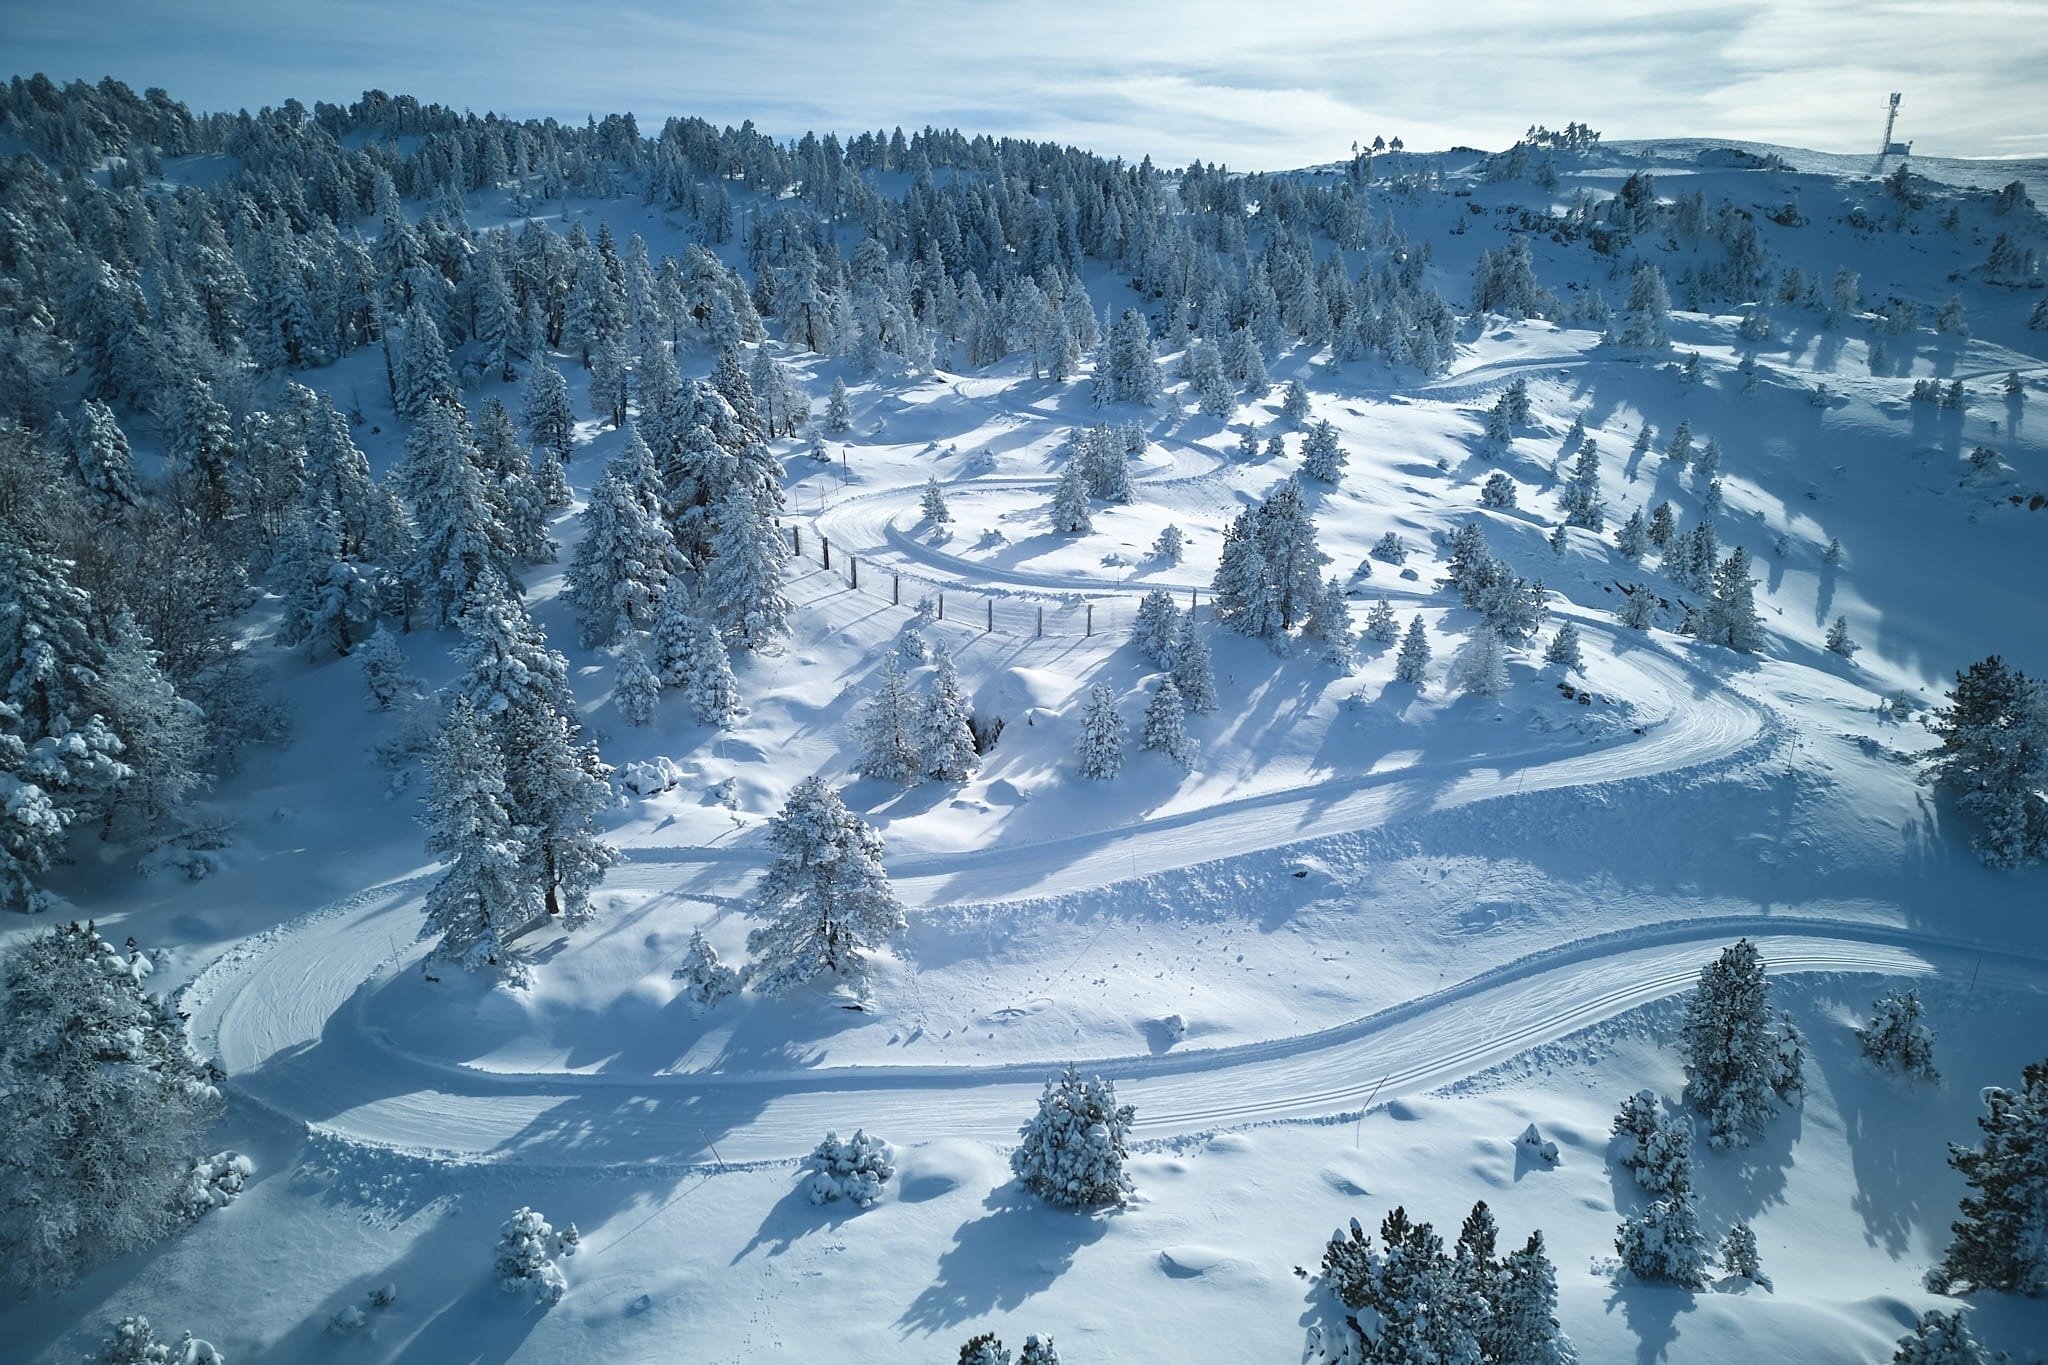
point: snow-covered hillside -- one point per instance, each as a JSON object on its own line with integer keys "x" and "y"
{"x": 1339, "y": 955}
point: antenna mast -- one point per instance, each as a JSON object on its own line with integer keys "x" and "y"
{"x": 1889, "y": 147}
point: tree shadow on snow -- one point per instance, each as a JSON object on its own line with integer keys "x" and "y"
{"x": 795, "y": 1217}
{"x": 1895, "y": 1140}
{"x": 998, "y": 1261}
{"x": 1651, "y": 1311}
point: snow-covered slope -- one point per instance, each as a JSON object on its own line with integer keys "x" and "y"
{"x": 1337, "y": 966}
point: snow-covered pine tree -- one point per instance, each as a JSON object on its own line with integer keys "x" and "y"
{"x": 329, "y": 601}
{"x": 517, "y": 498}
{"x": 134, "y": 1342}
{"x": 1632, "y": 539}
{"x": 1100, "y": 746}
{"x": 1038, "y": 1350}
{"x": 1739, "y": 1255}
{"x": 627, "y": 554}
{"x": 557, "y": 784}
{"x": 1838, "y": 641}
{"x": 1499, "y": 429}
{"x": 742, "y": 585}
{"x": 706, "y": 980}
{"x": 1940, "y": 1338}
{"x": 386, "y": 672}
{"x": 1580, "y": 500}
{"x": 689, "y": 655}
{"x": 983, "y": 1349}
{"x": 1662, "y": 1243}
{"x": 853, "y": 1169}
{"x": 1897, "y": 1037}
{"x": 102, "y": 463}
{"x": 933, "y": 504}
{"x": 200, "y": 451}
{"x": 611, "y": 381}
{"x": 1170, "y": 545}
{"x": 1678, "y": 450}
{"x": 1322, "y": 458}
{"x": 1074, "y": 1147}
{"x": 104, "y": 1104}
{"x": 1104, "y": 462}
{"x": 1482, "y": 666}
{"x": 1156, "y": 627}
{"x": 1329, "y": 623}
{"x": 1244, "y": 364}
{"x": 1524, "y": 1329}
{"x": 945, "y": 740}
{"x": 1994, "y": 759}
{"x": 2000, "y": 1243}
{"x": 1241, "y": 592}
{"x": 1215, "y": 395}
{"x": 1126, "y": 371}
{"x": 1380, "y": 625}
{"x": 636, "y": 692}
{"x": 1657, "y": 1149}
{"x": 887, "y": 731}
{"x": 1294, "y": 406}
{"x": 825, "y": 899}
{"x": 1711, "y": 501}
{"x": 422, "y": 376}
{"x": 483, "y": 899}
{"x": 1731, "y": 616}
{"x": 1070, "y": 515}
{"x": 1663, "y": 528}
{"x": 1706, "y": 466}
{"x": 838, "y": 411}
{"x": 529, "y": 1249}
{"x": 1413, "y": 659}
{"x": 1563, "y": 649}
{"x": 546, "y": 413}
{"x": 1643, "y": 316}
{"x": 459, "y": 545}
{"x": 1166, "y": 726}
{"x": 59, "y": 756}
{"x": 1193, "y": 673}
{"x": 1638, "y": 607}
{"x": 1497, "y": 492}
{"x": 1740, "y": 1061}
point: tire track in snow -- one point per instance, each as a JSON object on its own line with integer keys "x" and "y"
{"x": 343, "y": 1081}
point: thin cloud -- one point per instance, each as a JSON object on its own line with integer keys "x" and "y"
{"x": 1254, "y": 86}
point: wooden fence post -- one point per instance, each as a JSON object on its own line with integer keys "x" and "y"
{"x": 991, "y": 614}
{"x": 1091, "y": 619}
{"x": 1041, "y": 620}
{"x": 853, "y": 566}
{"x": 826, "y": 544}
{"x": 895, "y": 589}
{"x": 942, "y": 606}
{"x": 796, "y": 541}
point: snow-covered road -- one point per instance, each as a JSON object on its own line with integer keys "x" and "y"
{"x": 285, "y": 1019}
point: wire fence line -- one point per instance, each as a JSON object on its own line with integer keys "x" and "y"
{"x": 1018, "y": 615}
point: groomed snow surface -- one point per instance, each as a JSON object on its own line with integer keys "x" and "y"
{"x": 1339, "y": 966}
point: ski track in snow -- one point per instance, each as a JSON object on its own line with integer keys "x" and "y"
{"x": 286, "y": 1023}
{"x": 284, "y": 1011}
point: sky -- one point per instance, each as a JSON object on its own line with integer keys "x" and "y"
{"x": 1257, "y": 87}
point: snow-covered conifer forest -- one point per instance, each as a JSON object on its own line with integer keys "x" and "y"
{"x": 1489, "y": 701}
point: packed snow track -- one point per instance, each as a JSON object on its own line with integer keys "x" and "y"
{"x": 284, "y": 1023}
